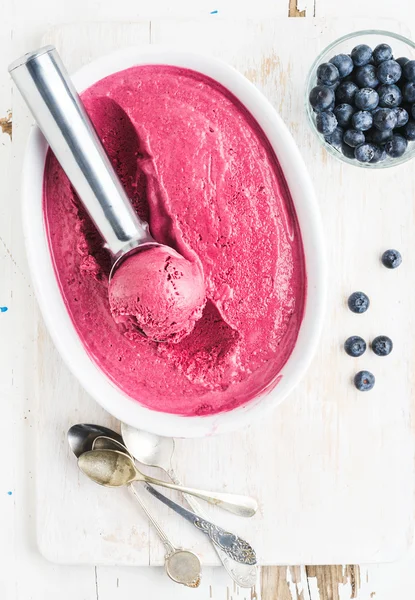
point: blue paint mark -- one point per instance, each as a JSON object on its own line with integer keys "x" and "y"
{"x": 214, "y": 12}
{"x": 9, "y": 493}
{"x": 3, "y": 309}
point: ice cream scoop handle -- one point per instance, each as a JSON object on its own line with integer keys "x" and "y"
{"x": 243, "y": 506}
{"x": 55, "y": 104}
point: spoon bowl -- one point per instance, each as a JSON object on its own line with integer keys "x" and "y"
{"x": 148, "y": 448}
{"x": 110, "y": 468}
{"x": 82, "y": 436}
{"x": 184, "y": 567}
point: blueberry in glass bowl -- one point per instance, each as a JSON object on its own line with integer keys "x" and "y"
{"x": 365, "y": 82}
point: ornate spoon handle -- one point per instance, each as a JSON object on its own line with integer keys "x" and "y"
{"x": 244, "y": 575}
{"x": 235, "y": 547}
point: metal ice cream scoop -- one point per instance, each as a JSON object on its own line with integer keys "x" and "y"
{"x": 55, "y": 104}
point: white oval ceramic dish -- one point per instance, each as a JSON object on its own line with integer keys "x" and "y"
{"x": 51, "y": 302}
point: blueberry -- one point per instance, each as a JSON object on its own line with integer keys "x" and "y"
{"x": 379, "y": 154}
{"x": 347, "y": 151}
{"x": 401, "y": 116}
{"x": 364, "y": 381}
{"x": 321, "y": 97}
{"x": 346, "y": 92}
{"x": 362, "y": 120}
{"x": 326, "y": 122}
{"x": 365, "y": 153}
{"x": 344, "y": 114}
{"x": 413, "y": 111}
{"x": 409, "y": 91}
{"x": 382, "y": 345}
{"x": 408, "y": 131}
{"x": 409, "y": 70}
{"x": 366, "y": 99}
{"x": 396, "y": 147}
{"x": 381, "y": 53}
{"x": 389, "y": 95}
{"x": 378, "y": 137}
{"x": 327, "y": 74}
{"x": 344, "y": 64}
{"x": 391, "y": 259}
{"x": 402, "y": 61}
{"x": 366, "y": 76}
{"x": 361, "y": 55}
{"x": 358, "y": 302}
{"x": 355, "y": 346}
{"x": 335, "y": 139}
{"x": 385, "y": 119}
{"x": 389, "y": 72}
{"x": 354, "y": 138}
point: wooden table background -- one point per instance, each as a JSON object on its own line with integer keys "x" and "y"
{"x": 24, "y": 574}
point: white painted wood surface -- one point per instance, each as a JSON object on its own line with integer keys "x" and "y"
{"x": 318, "y": 465}
{"x": 24, "y": 575}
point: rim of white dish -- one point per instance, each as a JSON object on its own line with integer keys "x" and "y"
{"x": 51, "y": 302}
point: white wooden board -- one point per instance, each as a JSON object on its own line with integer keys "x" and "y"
{"x": 332, "y": 468}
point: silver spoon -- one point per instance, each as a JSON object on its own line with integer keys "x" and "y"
{"x": 115, "y": 469}
{"x": 182, "y": 566}
{"x": 235, "y": 549}
{"x": 156, "y": 451}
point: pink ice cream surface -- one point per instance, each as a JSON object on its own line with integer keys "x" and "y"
{"x": 201, "y": 171}
{"x": 158, "y": 292}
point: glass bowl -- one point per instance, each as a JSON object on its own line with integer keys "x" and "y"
{"x": 400, "y": 45}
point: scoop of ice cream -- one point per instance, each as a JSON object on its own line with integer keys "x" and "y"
{"x": 159, "y": 293}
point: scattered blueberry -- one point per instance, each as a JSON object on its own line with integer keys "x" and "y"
{"x": 391, "y": 259}
{"x": 366, "y": 99}
{"x": 347, "y": 151}
{"x": 344, "y": 113}
{"x": 362, "y": 120}
{"x": 390, "y": 96}
{"x": 327, "y": 74}
{"x": 401, "y": 116}
{"x": 326, "y": 122}
{"x": 366, "y": 76}
{"x": 379, "y": 154}
{"x": 409, "y": 91}
{"x": 364, "y": 381}
{"x": 402, "y": 60}
{"x": 353, "y": 138}
{"x": 408, "y": 131}
{"x": 344, "y": 64}
{"x": 321, "y": 98}
{"x": 361, "y": 55}
{"x": 355, "y": 346}
{"x": 413, "y": 111}
{"x": 396, "y": 147}
{"x": 409, "y": 70}
{"x": 358, "y": 302}
{"x": 365, "y": 153}
{"x": 385, "y": 119}
{"x": 346, "y": 92}
{"x": 335, "y": 139}
{"x": 381, "y": 53}
{"x": 382, "y": 345}
{"x": 389, "y": 71}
